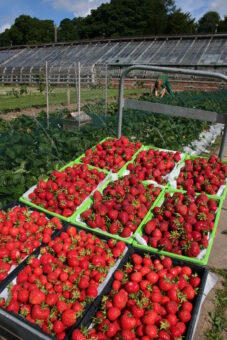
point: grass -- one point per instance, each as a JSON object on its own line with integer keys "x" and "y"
{"x": 218, "y": 318}
{"x": 58, "y": 96}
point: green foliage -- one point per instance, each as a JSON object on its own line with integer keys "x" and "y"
{"x": 210, "y": 101}
{"x": 179, "y": 22}
{"x": 29, "y": 151}
{"x": 223, "y": 25}
{"x": 209, "y": 22}
{"x": 114, "y": 19}
{"x": 67, "y": 30}
{"x": 23, "y": 89}
{"x": 218, "y": 320}
{"x": 120, "y": 18}
{"x": 27, "y": 30}
{"x": 41, "y": 82}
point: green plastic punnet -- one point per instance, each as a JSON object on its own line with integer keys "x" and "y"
{"x": 192, "y": 157}
{"x": 78, "y": 159}
{"x": 38, "y": 207}
{"x": 121, "y": 171}
{"x": 149, "y": 216}
{"x": 148, "y": 147}
{"x": 75, "y": 218}
{"x": 67, "y": 219}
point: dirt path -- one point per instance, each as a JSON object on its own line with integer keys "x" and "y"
{"x": 34, "y": 111}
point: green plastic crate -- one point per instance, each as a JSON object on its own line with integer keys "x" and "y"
{"x": 67, "y": 219}
{"x": 121, "y": 171}
{"x": 148, "y": 147}
{"x": 88, "y": 203}
{"x": 202, "y": 261}
{"x": 223, "y": 195}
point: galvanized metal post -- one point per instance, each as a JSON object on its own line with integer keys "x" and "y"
{"x": 47, "y": 95}
{"x": 120, "y": 105}
{"x": 167, "y": 70}
{"x": 68, "y": 95}
{"x": 223, "y": 141}
{"x": 106, "y": 90}
{"x": 68, "y": 91}
{"x": 79, "y": 91}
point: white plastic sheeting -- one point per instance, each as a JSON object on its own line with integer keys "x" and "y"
{"x": 206, "y": 138}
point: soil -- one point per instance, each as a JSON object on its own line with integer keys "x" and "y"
{"x": 34, "y": 111}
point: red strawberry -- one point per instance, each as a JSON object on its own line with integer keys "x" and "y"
{"x": 68, "y": 318}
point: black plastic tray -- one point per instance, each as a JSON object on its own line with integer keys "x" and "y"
{"x": 202, "y": 271}
{"x": 24, "y": 329}
{"x": 16, "y": 270}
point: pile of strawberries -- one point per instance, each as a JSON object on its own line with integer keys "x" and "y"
{"x": 154, "y": 165}
{"x": 181, "y": 225}
{"x": 53, "y": 290}
{"x": 66, "y": 190}
{"x": 122, "y": 206}
{"x": 150, "y": 299}
{"x": 203, "y": 175}
{"x": 21, "y": 232}
{"x": 112, "y": 154}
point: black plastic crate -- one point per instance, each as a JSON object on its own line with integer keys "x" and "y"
{"x": 24, "y": 329}
{"x": 202, "y": 271}
{"x": 16, "y": 270}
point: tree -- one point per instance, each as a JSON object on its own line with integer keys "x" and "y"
{"x": 27, "y": 30}
{"x": 209, "y": 22}
{"x": 112, "y": 20}
{"x": 5, "y": 38}
{"x": 127, "y": 18}
{"x": 223, "y": 25}
{"x": 179, "y": 22}
{"x": 67, "y": 30}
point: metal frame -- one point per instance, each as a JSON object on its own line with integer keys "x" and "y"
{"x": 168, "y": 109}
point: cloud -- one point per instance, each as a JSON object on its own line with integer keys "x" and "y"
{"x": 196, "y": 8}
{"x": 4, "y": 27}
{"x": 199, "y": 7}
{"x": 77, "y": 7}
{"x": 219, "y": 6}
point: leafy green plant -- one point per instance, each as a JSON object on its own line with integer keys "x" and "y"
{"x": 28, "y": 151}
{"x": 218, "y": 320}
{"x": 41, "y": 82}
{"x": 23, "y": 89}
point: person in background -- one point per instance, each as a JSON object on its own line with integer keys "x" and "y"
{"x": 162, "y": 83}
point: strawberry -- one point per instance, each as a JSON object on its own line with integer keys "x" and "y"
{"x": 113, "y": 313}
{"x": 40, "y": 313}
{"x": 112, "y": 154}
{"x": 154, "y": 164}
{"x": 120, "y": 299}
{"x": 69, "y": 318}
{"x": 127, "y": 321}
{"x": 202, "y": 174}
{"x": 36, "y": 297}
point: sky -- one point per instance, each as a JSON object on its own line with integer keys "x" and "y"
{"x": 57, "y": 10}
